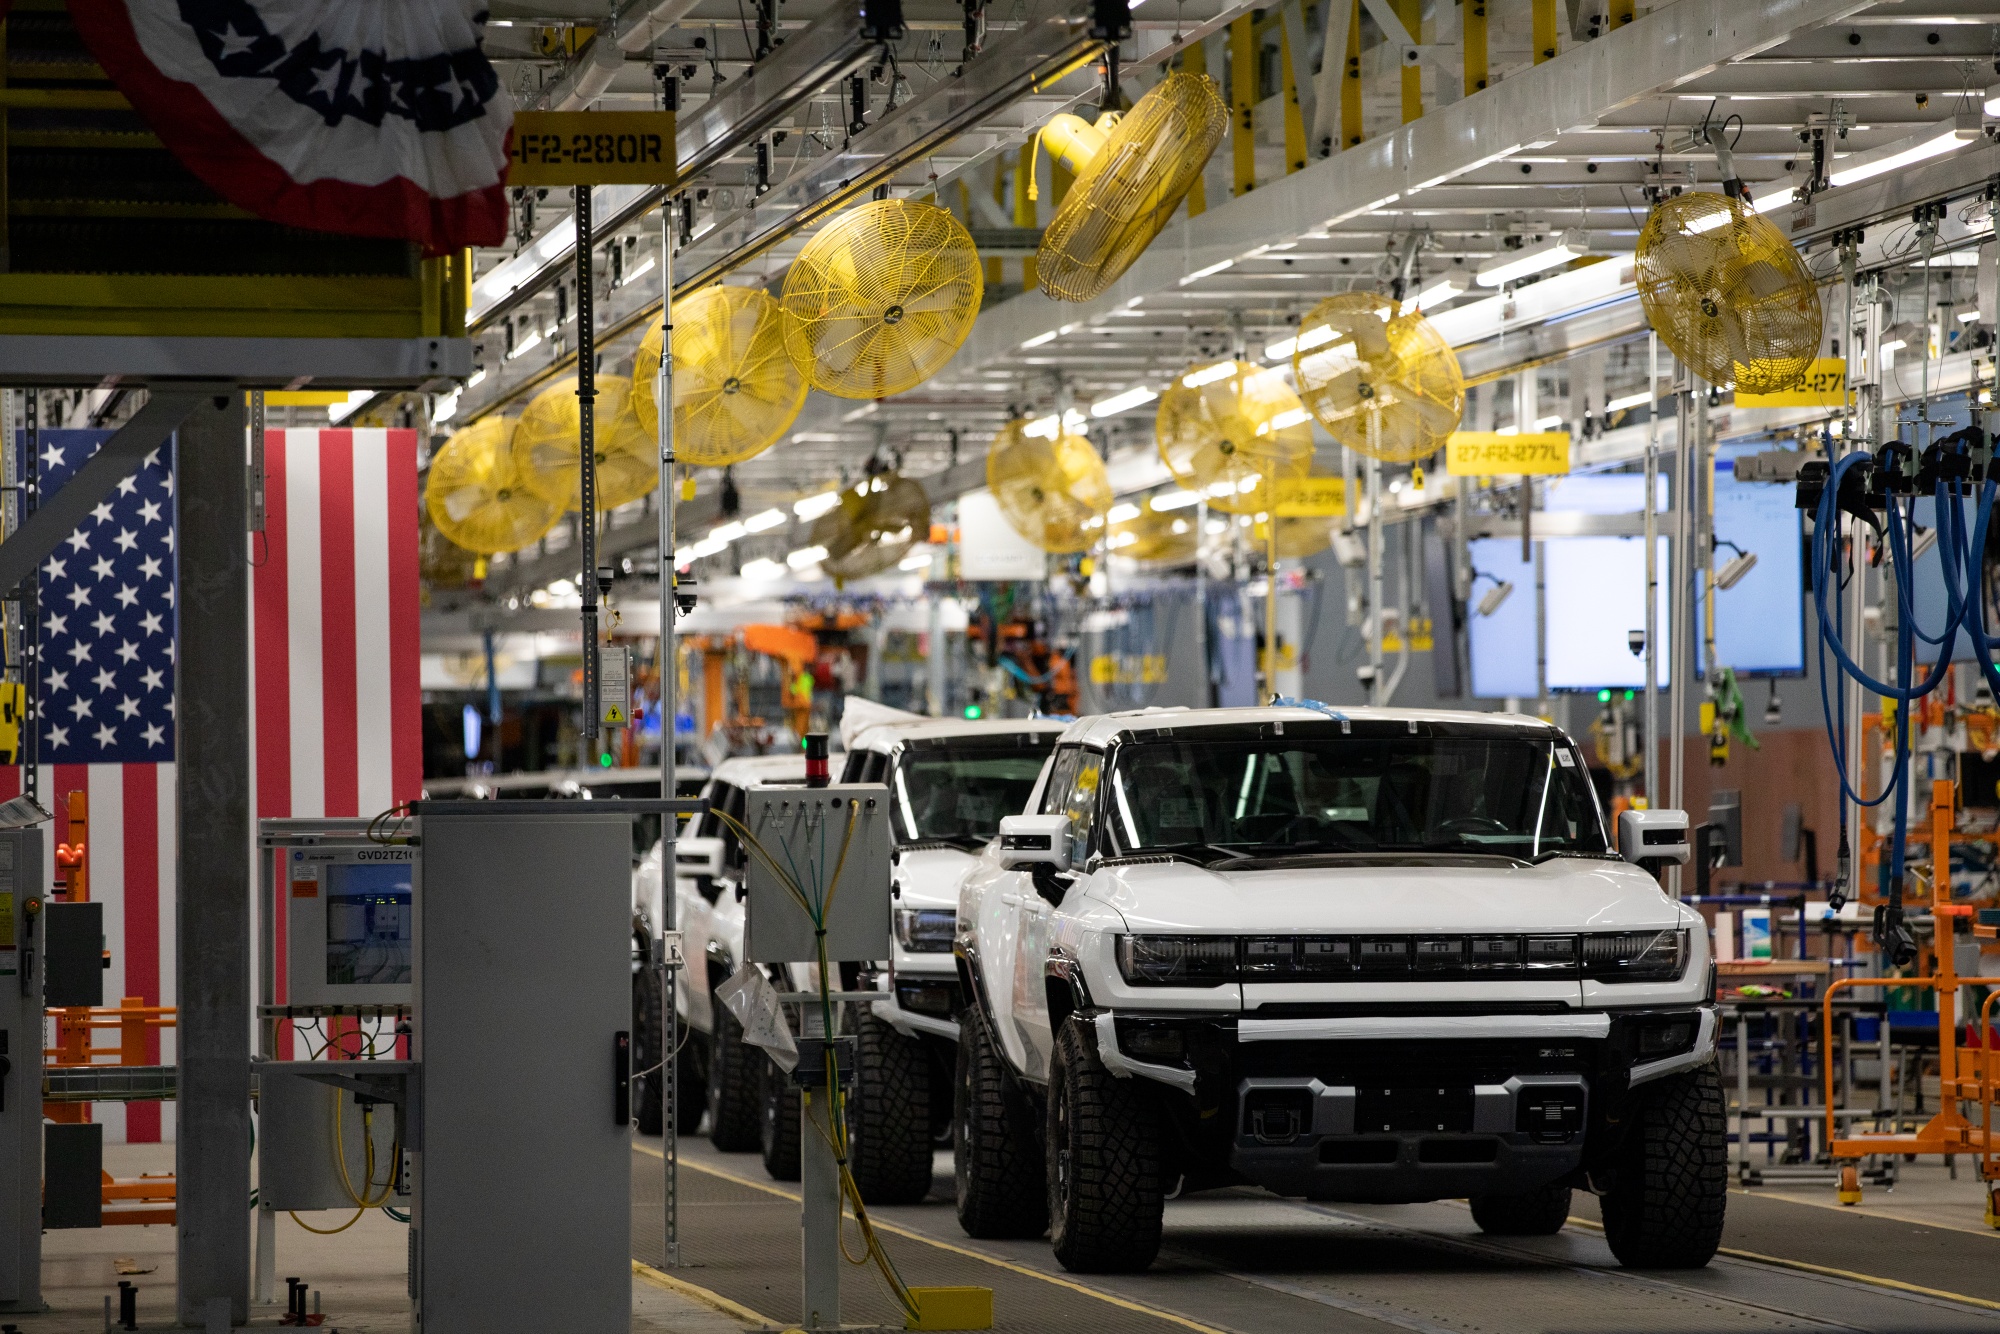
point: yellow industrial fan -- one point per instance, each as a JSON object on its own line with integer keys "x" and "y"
{"x": 1230, "y": 429}
{"x": 475, "y": 494}
{"x": 1382, "y": 383}
{"x": 441, "y": 562}
{"x": 547, "y": 446}
{"x": 1132, "y": 172}
{"x": 1055, "y": 492}
{"x": 873, "y": 527}
{"x": 1157, "y": 537}
{"x": 881, "y": 298}
{"x": 736, "y": 388}
{"x": 1728, "y": 293}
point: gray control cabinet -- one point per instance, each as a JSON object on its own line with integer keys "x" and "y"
{"x": 833, "y": 844}
{"x": 523, "y": 1167}
{"x": 22, "y": 883}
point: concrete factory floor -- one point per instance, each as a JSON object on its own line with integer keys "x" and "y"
{"x": 1918, "y": 1258}
{"x": 361, "y": 1273}
{"x": 1915, "y": 1259}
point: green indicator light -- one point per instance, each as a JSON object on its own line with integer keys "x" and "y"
{"x": 1604, "y": 697}
{"x": 605, "y": 759}
{"x": 1628, "y": 697}
{"x": 974, "y": 711}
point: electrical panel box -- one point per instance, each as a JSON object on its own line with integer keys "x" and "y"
{"x": 831, "y": 846}
{"x": 350, "y": 925}
{"x": 74, "y": 953}
{"x": 23, "y": 893}
{"x": 297, "y": 1121}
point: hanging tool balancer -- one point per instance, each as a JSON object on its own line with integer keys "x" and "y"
{"x": 1880, "y": 489}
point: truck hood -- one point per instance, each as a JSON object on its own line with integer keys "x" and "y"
{"x": 929, "y": 876}
{"x": 1460, "y": 896}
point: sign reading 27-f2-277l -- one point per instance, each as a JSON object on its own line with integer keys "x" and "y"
{"x": 1491, "y": 454}
{"x": 591, "y": 148}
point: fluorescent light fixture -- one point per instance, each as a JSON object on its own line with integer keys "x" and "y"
{"x": 758, "y": 523}
{"x": 1305, "y": 342}
{"x": 476, "y": 377}
{"x": 805, "y": 556}
{"x": 1174, "y": 500}
{"x": 1439, "y": 292}
{"x": 1045, "y": 427}
{"x": 1122, "y": 512}
{"x": 1495, "y": 595}
{"x": 1894, "y": 345}
{"x": 1206, "y": 272}
{"x": 1040, "y": 339}
{"x": 1638, "y": 400}
{"x": 1967, "y": 316}
{"x": 1549, "y": 423}
{"x": 642, "y": 270}
{"x": 1221, "y": 370}
{"x": 726, "y": 533}
{"x": 763, "y": 568}
{"x": 1503, "y": 269}
{"x": 708, "y": 546}
{"x": 1770, "y": 203}
{"x": 340, "y": 412}
{"x": 916, "y": 560}
{"x": 1217, "y": 526}
{"x": 683, "y": 556}
{"x": 1131, "y": 398}
{"x": 1117, "y": 540}
{"x": 1926, "y": 539}
{"x": 1962, "y": 129}
{"x": 1280, "y": 350}
{"x": 814, "y": 506}
{"x": 1289, "y": 418}
{"x": 1955, "y": 259}
{"x": 1247, "y": 485}
{"x": 446, "y": 407}
{"x": 532, "y": 340}
{"x": 1739, "y": 565}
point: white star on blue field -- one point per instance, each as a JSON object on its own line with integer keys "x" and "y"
{"x": 107, "y": 615}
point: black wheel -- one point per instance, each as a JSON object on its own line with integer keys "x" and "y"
{"x": 646, "y": 1047}
{"x": 778, "y": 1124}
{"x": 1530, "y": 1213}
{"x": 734, "y": 1086}
{"x": 889, "y": 1115}
{"x": 1671, "y": 1182}
{"x": 690, "y": 1080}
{"x": 1105, "y": 1201}
{"x": 996, "y": 1143}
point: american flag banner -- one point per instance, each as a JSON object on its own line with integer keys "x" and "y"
{"x": 338, "y": 721}
{"x": 106, "y": 725}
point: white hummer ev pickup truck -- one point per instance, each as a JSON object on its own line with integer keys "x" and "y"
{"x": 1372, "y": 955}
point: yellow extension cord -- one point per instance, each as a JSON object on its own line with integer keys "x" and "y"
{"x": 347, "y": 1181}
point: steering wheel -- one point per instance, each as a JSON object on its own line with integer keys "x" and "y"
{"x": 1473, "y": 824}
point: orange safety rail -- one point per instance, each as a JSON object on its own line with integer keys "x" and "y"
{"x": 134, "y": 1201}
{"x": 135, "y": 1022}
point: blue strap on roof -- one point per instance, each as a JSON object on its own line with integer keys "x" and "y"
{"x": 1287, "y": 702}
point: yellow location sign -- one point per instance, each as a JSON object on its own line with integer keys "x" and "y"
{"x": 1311, "y": 497}
{"x": 1824, "y": 385}
{"x": 1491, "y": 454}
{"x": 591, "y": 148}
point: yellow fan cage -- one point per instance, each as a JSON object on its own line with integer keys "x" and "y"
{"x": 1054, "y": 492}
{"x": 476, "y": 497}
{"x": 736, "y": 388}
{"x": 1231, "y": 429}
{"x": 548, "y": 446}
{"x": 1382, "y": 383}
{"x": 881, "y": 298}
{"x": 1130, "y": 182}
{"x": 873, "y": 527}
{"x": 1164, "y": 537}
{"x": 1728, "y": 293}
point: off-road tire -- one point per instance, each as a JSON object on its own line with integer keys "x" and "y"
{"x": 1671, "y": 1182}
{"x": 889, "y": 1115}
{"x": 690, "y": 1079}
{"x": 996, "y": 1142}
{"x": 778, "y": 1124}
{"x": 1528, "y": 1213}
{"x": 1103, "y": 1155}
{"x": 646, "y": 1028}
{"x": 734, "y": 1086}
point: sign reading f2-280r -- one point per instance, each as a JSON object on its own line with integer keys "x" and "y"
{"x": 591, "y": 148}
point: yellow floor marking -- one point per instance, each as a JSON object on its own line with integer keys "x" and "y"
{"x": 880, "y": 1226}
{"x": 1873, "y": 1280}
{"x": 698, "y": 1293}
{"x": 1863, "y": 1211}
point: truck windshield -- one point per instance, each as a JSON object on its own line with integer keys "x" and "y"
{"x": 1517, "y": 797}
{"x": 958, "y": 793}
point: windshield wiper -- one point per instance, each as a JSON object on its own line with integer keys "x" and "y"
{"x": 1201, "y": 854}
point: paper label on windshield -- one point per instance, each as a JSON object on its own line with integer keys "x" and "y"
{"x": 1181, "y": 813}
{"x": 1565, "y": 759}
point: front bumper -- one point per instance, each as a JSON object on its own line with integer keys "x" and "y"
{"x": 1401, "y": 1108}
{"x": 922, "y": 1003}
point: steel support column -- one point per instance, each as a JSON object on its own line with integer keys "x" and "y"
{"x": 212, "y": 722}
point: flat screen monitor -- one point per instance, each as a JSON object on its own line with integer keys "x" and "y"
{"x": 1502, "y": 646}
{"x": 1595, "y": 589}
{"x": 1760, "y": 627}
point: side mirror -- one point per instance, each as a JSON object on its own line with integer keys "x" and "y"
{"x": 1654, "y": 836}
{"x": 1035, "y": 840}
{"x": 698, "y": 856}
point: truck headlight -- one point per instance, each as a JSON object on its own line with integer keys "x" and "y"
{"x": 1636, "y": 956}
{"x": 926, "y": 930}
{"x": 1177, "y": 961}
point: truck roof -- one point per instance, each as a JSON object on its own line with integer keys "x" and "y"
{"x": 1104, "y": 727}
{"x": 886, "y": 735}
{"x": 741, "y": 770}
